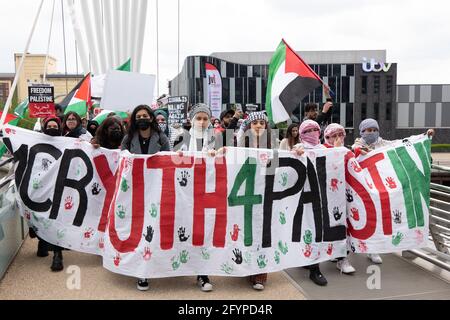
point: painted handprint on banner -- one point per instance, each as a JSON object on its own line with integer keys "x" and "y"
{"x": 182, "y": 234}
{"x": 101, "y": 243}
{"x": 36, "y": 184}
{"x": 205, "y": 254}
{"x": 349, "y": 195}
{"x": 153, "y": 210}
{"x": 397, "y": 216}
{"x": 124, "y": 185}
{"x": 238, "y": 256}
{"x": 362, "y": 246}
{"x": 88, "y": 232}
{"x": 282, "y": 247}
{"x": 397, "y": 238}
{"x": 227, "y": 268}
{"x": 68, "y": 203}
{"x": 147, "y": 254}
{"x": 121, "y": 211}
{"x": 354, "y": 213}
{"x": 45, "y": 164}
{"x": 149, "y": 236}
{"x": 184, "y": 256}
{"x": 117, "y": 259}
{"x": 282, "y": 218}
{"x": 390, "y": 182}
{"x": 330, "y": 249}
{"x": 307, "y": 251}
{"x": 334, "y": 184}
{"x": 355, "y": 166}
{"x": 284, "y": 179}
{"x": 277, "y": 257}
{"x": 406, "y": 142}
{"x": 262, "y": 261}
{"x": 175, "y": 262}
{"x": 183, "y": 179}
{"x": 96, "y": 189}
{"x": 336, "y": 214}
{"x": 307, "y": 237}
{"x": 235, "y": 233}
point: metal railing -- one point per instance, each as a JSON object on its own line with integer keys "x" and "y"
{"x": 439, "y": 224}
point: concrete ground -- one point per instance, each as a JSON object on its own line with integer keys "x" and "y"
{"x": 29, "y": 277}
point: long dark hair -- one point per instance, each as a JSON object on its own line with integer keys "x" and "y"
{"x": 101, "y": 136}
{"x": 132, "y": 128}
{"x": 64, "y": 127}
{"x": 292, "y": 141}
{"x": 264, "y": 141}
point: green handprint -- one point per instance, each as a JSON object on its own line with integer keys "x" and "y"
{"x": 282, "y": 218}
{"x": 277, "y": 256}
{"x": 47, "y": 223}
{"x": 397, "y": 238}
{"x": 35, "y": 217}
{"x": 262, "y": 261}
{"x": 61, "y": 233}
{"x": 121, "y": 211}
{"x": 248, "y": 258}
{"x": 175, "y": 263}
{"x": 124, "y": 185}
{"x": 154, "y": 210}
{"x": 205, "y": 254}
{"x": 184, "y": 256}
{"x": 227, "y": 268}
{"x": 283, "y": 247}
{"x": 284, "y": 179}
{"x": 36, "y": 184}
{"x": 307, "y": 237}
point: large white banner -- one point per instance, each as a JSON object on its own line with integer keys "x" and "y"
{"x": 249, "y": 212}
{"x": 214, "y": 89}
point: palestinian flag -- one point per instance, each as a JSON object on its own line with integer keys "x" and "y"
{"x": 290, "y": 80}
{"x": 12, "y": 120}
{"x": 79, "y": 99}
{"x": 104, "y": 114}
{"x": 126, "y": 66}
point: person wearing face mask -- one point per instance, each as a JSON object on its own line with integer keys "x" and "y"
{"x": 110, "y": 134}
{"x": 161, "y": 119}
{"x": 51, "y": 126}
{"x": 144, "y": 135}
{"x": 92, "y": 127}
{"x": 371, "y": 140}
{"x": 309, "y": 132}
{"x": 72, "y": 128}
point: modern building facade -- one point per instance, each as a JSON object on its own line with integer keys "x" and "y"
{"x": 364, "y": 86}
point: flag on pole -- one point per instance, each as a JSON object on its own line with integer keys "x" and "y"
{"x": 79, "y": 99}
{"x": 104, "y": 114}
{"x": 290, "y": 80}
{"x": 11, "y": 120}
{"x": 126, "y": 66}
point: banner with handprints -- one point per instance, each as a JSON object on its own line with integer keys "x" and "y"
{"x": 251, "y": 211}
{"x": 388, "y": 196}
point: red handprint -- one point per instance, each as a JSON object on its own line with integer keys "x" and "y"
{"x": 8, "y": 130}
{"x": 390, "y": 182}
{"x": 117, "y": 260}
{"x": 27, "y": 215}
{"x": 362, "y": 246}
{"x": 68, "y": 204}
{"x": 264, "y": 157}
{"x": 88, "y": 233}
{"x": 419, "y": 236}
{"x": 330, "y": 249}
{"x": 235, "y": 234}
{"x": 101, "y": 243}
{"x": 334, "y": 184}
{"x": 307, "y": 251}
{"x": 355, "y": 214}
{"x": 147, "y": 254}
{"x": 369, "y": 184}
{"x": 355, "y": 166}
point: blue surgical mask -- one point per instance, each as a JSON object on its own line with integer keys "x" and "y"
{"x": 370, "y": 137}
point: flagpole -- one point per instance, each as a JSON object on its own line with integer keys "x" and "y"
{"x": 48, "y": 43}
{"x": 19, "y": 70}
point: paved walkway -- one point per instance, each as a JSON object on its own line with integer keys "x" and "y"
{"x": 29, "y": 277}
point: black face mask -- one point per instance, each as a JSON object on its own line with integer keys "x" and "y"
{"x": 52, "y": 132}
{"x": 143, "y": 124}
{"x": 115, "y": 136}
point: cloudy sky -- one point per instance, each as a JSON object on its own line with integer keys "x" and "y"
{"x": 415, "y": 33}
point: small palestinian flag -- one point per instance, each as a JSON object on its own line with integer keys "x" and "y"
{"x": 290, "y": 80}
{"x": 79, "y": 99}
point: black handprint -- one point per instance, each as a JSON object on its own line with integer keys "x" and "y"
{"x": 149, "y": 235}
{"x": 45, "y": 164}
{"x": 397, "y": 217}
{"x": 181, "y": 234}
{"x": 406, "y": 142}
{"x": 95, "y": 189}
{"x": 353, "y": 247}
{"x": 184, "y": 178}
{"x": 349, "y": 195}
{"x": 238, "y": 254}
{"x": 336, "y": 214}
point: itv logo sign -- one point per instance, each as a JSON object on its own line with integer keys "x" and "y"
{"x": 375, "y": 66}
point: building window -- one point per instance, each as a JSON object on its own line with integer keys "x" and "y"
{"x": 388, "y": 84}
{"x": 238, "y": 90}
{"x": 349, "y": 115}
{"x": 376, "y": 84}
{"x": 364, "y": 84}
{"x": 376, "y": 111}
{"x": 257, "y": 71}
{"x": 225, "y": 90}
{"x": 252, "y": 90}
{"x": 388, "y": 111}
{"x": 336, "y": 70}
{"x": 350, "y": 70}
{"x": 345, "y": 97}
{"x": 363, "y": 111}
{"x": 230, "y": 70}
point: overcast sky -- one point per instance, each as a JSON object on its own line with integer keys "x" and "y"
{"x": 415, "y": 33}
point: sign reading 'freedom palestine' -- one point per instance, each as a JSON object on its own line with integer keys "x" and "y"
{"x": 252, "y": 211}
{"x": 41, "y": 101}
